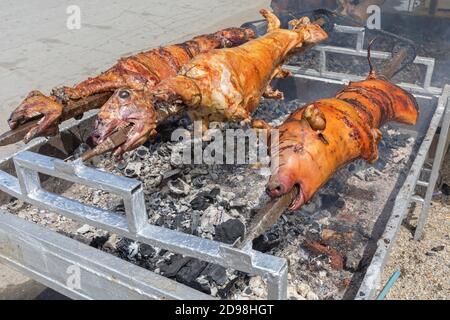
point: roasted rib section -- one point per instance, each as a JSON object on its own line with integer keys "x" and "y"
{"x": 319, "y": 138}
{"x": 141, "y": 71}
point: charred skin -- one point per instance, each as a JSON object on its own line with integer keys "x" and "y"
{"x": 141, "y": 71}
{"x": 308, "y": 157}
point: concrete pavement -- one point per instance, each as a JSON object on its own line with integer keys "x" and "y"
{"x": 38, "y": 51}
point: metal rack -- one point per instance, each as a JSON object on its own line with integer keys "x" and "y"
{"x": 45, "y": 255}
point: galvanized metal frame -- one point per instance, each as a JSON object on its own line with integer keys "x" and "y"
{"x": 323, "y": 72}
{"x": 33, "y": 241}
{"x": 404, "y": 198}
{"x": 134, "y": 224}
{"x": 55, "y": 260}
{"x": 437, "y": 163}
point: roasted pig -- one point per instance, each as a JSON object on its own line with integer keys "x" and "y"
{"x": 322, "y": 136}
{"x": 140, "y": 71}
{"x": 220, "y": 85}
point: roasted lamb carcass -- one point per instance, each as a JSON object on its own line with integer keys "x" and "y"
{"x": 143, "y": 70}
{"x": 322, "y": 136}
{"x": 221, "y": 85}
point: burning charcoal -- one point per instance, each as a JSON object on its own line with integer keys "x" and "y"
{"x": 266, "y": 243}
{"x": 445, "y": 188}
{"x": 204, "y": 199}
{"x": 329, "y": 200}
{"x": 146, "y": 251}
{"x": 248, "y": 291}
{"x": 142, "y": 152}
{"x": 189, "y": 273}
{"x": 98, "y": 241}
{"x": 199, "y": 182}
{"x": 179, "y": 187}
{"x": 216, "y": 273}
{"x": 174, "y": 265}
{"x": 200, "y": 203}
{"x": 224, "y": 292}
{"x": 123, "y": 247}
{"x": 171, "y": 174}
{"x": 229, "y": 231}
{"x": 225, "y": 204}
{"x": 213, "y": 193}
{"x": 162, "y": 252}
{"x": 121, "y": 165}
{"x": 340, "y": 203}
{"x": 198, "y": 172}
{"x": 133, "y": 169}
{"x": 178, "y": 221}
{"x": 312, "y": 206}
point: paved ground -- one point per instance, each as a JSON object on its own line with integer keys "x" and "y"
{"x": 40, "y": 52}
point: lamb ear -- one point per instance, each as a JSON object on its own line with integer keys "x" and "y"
{"x": 298, "y": 23}
{"x": 273, "y": 23}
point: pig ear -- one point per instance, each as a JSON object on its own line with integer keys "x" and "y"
{"x": 273, "y": 23}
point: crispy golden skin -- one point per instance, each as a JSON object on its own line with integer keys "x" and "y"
{"x": 143, "y": 70}
{"x": 221, "y": 85}
{"x": 227, "y": 84}
{"x": 307, "y": 157}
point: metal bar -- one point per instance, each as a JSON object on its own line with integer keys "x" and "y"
{"x": 422, "y": 183}
{"x": 77, "y": 270}
{"x": 437, "y": 162}
{"x": 417, "y": 199}
{"x": 358, "y": 51}
{"x": 277, "y": 285}
{"x": 402, "y": 202}
{"x": 433, "y": 7}
{"x": 360, "y": 40}
{"x": 344, "y": 78}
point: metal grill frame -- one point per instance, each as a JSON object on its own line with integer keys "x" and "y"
{"x": 44, "y": 255}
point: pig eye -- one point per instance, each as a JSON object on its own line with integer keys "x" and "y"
{"x": 124, "y": 94}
